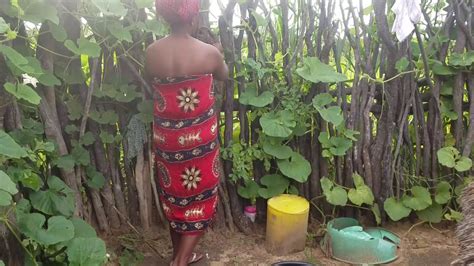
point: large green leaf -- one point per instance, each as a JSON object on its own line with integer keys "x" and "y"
{"x": 315, "y": 71}
{"x": 250, "y": 97}
{"x": 296, "y": 167}
{"x": 9, "y": 148}
{"x": 82, "y": 229}
{"x": 58, "y": 199}
{"x": 402, "y": 64}
{"x": 86, "y": 251}
{"x": 119, "y": 31}
{"x": 463, "y": 164}
{"x": 446, "y": 156}
{"x": 340, "y": 146}
{"x": 59, "y": 228}
{"x": 277, "y": 150}
{"x": 335, "y": 195}
{"x": 332, "y": 115}
{"x": 111, "y": 7}
{"x": 443, "y": 192}
{"x": 6, "y": 184}
{"x": 322, "y": 99}
{"x": 81, "y": 155}
{"x": 420, "y": 199}
{"x": 275, "y": 185}
{"x": 249, "y": 191}
{"x": 432, "y": 214}
{"x": 361, "y": 193}
{"x": 13, "y": 56}
{"x": 465, "y": 59}
{"x": 40, "y": 11}
{"x": 65, "y": 162}
{"x": 24, "y": 92}
{"x": 454, "y": 216}
{"x": 83, "y": 47}
{"x": 278, "y": 124}
{"x": 442, "y": 70}
{"x": 95, "y": 179}
{"x": 395, "y": 209}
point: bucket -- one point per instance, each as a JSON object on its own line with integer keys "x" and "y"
{"x": 287, "y": 224}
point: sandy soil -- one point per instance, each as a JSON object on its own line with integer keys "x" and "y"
{"x": 423, "y": 245}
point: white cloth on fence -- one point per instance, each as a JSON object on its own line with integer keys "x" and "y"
{"x": 407, "y": 12}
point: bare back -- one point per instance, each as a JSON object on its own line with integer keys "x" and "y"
{"x": 183, "y": 56}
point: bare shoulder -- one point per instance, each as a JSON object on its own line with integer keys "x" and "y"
{"x": 155, "y": 46}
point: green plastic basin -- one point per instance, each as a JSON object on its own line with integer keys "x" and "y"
{"x": 347, "y": 241}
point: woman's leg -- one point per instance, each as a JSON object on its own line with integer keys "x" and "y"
{"x": 187, "y": 243}
{"x": 175, "y": 239}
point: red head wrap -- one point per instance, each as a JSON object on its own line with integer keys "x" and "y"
{"x": 177, "y": 11}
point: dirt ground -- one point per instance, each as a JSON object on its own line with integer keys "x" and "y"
{"x": 423, "y": 245}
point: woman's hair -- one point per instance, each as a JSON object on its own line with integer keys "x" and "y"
{"x": 178, "y": 11}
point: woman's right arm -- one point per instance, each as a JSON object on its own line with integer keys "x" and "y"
{"x": 221, "y": 71}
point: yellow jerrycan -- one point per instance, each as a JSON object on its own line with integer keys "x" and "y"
{"x": 287, "y": 224}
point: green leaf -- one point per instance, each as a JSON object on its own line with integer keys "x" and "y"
{"x": 58, "y": 199}
{"x": 315, "y": 71}
{"x": 106, "y": 137}
{"x": 249, "y": 191}
{"x": 31, "y": 180}
{"x": 376, "y": 211}
{"x": 446, "y": 156}
{"x": 442, "y": 70}
{"x": 154, "y": 26}
{"x": 65, "y": 162}
{"x": 250, "y": 97}
{"x": 420, "y": 200}
{"x": 83, "y": 47}
{"x": 87, "y": 139}
{"x": 334, "y": 195}
{"x": 82, "y": 229}
{"x": 465, "y": 59}
{"x": 111, "y": 7}
{"x": 146, "y": 111}
{"x": 85, "y": 251}
{"x": 339, "y": 146}
{"x": 395, "y": 209}
{"x": 362, "y": 193}
{"x": 38, "y": 12}
{"x": 322, "y": 99}
{"x": 24, "y": 92}
{"x": 49, "y": 79}
{"x": 118, "y": 31}
{"x": 402, "y": 64}
{"x": 277, "y": 150}
{"x": 9, "y": 148}
{"x": 6, "y": 184}
{"x": 432, "y": 214}
{"x": 337, "y": 196}
{"x": 5, "y": 198}
{"x": 3, "y": 26}
{"x": 443, "y": 192}
{"x": 296, "y": 167}
{"x": 463, "y": 164}
{"x": 59, "y": 228}
{"x": 58, "y": 32}
{"x": 13, "y": 56}
{"x": 96, "y": 179}
{"x": 81, "y": 156}
{"x": 278, "y": 124}
{"x": 454, "y": 216}
{"x": 275, "y": 185}
{"x": 332, "y": 115}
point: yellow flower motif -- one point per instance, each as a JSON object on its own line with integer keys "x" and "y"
{"x": 188, "y": 99}
{"x": 191, "y": 178}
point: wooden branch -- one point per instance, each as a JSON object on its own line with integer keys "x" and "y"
{"x": 87, "y": 104}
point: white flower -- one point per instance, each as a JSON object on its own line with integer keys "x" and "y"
{"x": 191, "y": 178}
{"x": 27, "y": 79}
{"x": 188, "y": 99}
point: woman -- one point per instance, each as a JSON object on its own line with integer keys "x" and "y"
{"x": 182, "y": 69}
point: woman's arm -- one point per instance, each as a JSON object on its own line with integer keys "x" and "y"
{"x": 221, "y": 71}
